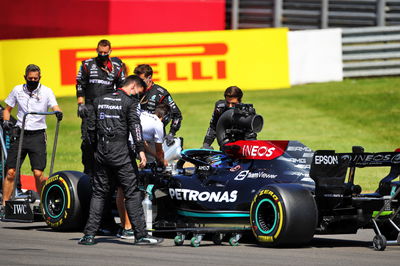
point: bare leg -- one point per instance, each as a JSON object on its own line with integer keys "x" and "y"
{"x": 39, "y": 179}
{"x": 125, "y": 223}
{"x": 8, "y": 185}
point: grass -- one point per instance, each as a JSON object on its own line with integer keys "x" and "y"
{"x": 335, "y": 115}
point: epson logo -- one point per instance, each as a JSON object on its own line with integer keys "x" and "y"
{"x": 326, "y": 159}
{"x": 194, "y": 195}
{"x": 261, "y": 151}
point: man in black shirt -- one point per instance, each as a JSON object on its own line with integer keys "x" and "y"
{"x": 154, "y": 95}
{"x": 233, "y": 95}
{"x": 96, "y": 77}
{"x": 113, "y": 118}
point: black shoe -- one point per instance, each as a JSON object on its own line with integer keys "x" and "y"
{"x": 149, "y": 240}
{"x": 87, "y": 240}
{"x": 108, "y": 231}
{"x": 2, "y": 212}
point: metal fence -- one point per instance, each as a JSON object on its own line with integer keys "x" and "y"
{"x": 311, "y": 14}
{"x": 371, "y": 51}
{"x": 371, "y": 28}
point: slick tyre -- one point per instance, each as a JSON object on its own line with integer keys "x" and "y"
{"x": 283, "y": 215}
{"x": 65, "y": 200}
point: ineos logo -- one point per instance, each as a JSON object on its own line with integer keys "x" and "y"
{"x": 396, "y": 158}
{"x": 261, "y": 151}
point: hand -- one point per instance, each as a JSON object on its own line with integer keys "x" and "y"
{"x": 143, "y": 160}
{"x": 83, "y": 111}
{"x": 92, "y": 136}
{"x": 207, "y": 146}
{"x": 169, "y": 139}
{"x": 59, "y": 115}
{"x": 7, "y": 125}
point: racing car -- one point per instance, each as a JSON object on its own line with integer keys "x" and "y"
{"x": 282, "y": 192}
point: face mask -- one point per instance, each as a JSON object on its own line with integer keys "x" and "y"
{"x": 32, "y": 85}
{"x": 102, "y": 58}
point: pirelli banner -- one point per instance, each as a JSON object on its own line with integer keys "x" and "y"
{"x": 182, "y": 62}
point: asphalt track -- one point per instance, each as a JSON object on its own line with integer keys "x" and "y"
{"x": 35, "y": 244}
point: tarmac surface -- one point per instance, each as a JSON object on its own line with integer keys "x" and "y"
{"x": 35, "y": 244}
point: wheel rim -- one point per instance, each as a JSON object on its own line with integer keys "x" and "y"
{"x": 195, "y": 243}
{"x": 266, "y": 216}
{"x": 54, "y": 201}
{"x": 178, "y": 240}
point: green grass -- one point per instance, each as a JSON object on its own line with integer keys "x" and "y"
{"x": 336, "y": 115}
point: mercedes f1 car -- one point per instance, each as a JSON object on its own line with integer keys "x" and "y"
{"x": 281, "y": 191}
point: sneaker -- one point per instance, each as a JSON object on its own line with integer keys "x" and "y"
{"x": 87, "y": 240}
{"x": 149, "y": 240}
{"x": 2, "y": 212}
{"x": 127, "y": 234}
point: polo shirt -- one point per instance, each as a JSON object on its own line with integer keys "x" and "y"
{"x": 39, "y": 100}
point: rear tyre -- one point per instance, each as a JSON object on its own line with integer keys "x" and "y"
{"x": 283, "y": 214}
{"x": 65, "y": 200}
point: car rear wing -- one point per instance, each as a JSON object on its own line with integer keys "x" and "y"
{"x": 329, "y": 169}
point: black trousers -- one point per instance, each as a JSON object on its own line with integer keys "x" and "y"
{"x": 87, "y": 148}
{"x": 105, "y": 179}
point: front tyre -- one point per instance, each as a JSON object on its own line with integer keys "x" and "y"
{"x": 283, "y": 214}
{"x": 65, "y": 198}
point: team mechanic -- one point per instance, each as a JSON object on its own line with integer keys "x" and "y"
{"x": 96, "y": 77}
{"x": 233, "y": 95}
{"x": 113, "y": 118}
{"x": 30, "y": 97}
{"x": 155, "y": 95}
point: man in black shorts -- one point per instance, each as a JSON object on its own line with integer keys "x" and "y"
{"x": 30, "y": 97}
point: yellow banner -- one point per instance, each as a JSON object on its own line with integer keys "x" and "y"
{"x": 182, "y": 62}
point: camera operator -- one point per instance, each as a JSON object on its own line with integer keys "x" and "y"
{"x": 233, "y": 95}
